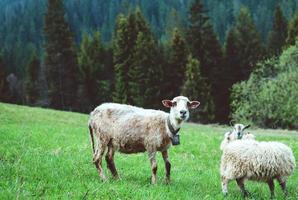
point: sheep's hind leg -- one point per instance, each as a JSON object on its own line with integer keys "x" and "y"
{"x": 283, "y": 185}
{"x": 153, "y": 166}
{"x": 97, "y": 158}
{"x": 167, "y": 166}
{"x": 110, "y": 161}
{"x": 271, "y": 187}
{"x": 240, "y": 183}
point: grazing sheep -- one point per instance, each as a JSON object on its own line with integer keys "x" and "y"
{"x": 130, "y": 129}
{"x": 236, "y": 134}
{"x": 258, "y": 161}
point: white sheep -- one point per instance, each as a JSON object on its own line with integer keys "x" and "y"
{"x": 258, "y": 161}
{"x": 131, "y": 129}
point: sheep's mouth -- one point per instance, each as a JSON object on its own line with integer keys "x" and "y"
{"x": 239, "y": 136}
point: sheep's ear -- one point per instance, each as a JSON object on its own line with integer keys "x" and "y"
{"x": 193, "y": 104}
{"x": 232, "y": 123}
{"x": 167, "y": 103}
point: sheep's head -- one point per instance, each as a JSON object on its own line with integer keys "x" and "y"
{"x": 180, "y": 107}
{"x": 238, "y": 130}
{"x": 236, "y": 134}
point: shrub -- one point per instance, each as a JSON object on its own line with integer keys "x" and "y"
{"x": 269, "y": 97}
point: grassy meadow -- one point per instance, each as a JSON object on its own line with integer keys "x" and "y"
{"x": 46, "y": 154}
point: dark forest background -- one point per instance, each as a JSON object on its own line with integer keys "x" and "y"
{"x": 237, "y": 57}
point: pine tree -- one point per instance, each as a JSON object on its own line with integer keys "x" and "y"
{"x": 32, "y": 79}
{"x": 244, "y": 47}
{"x": 197, "y": 24}
{"x": 175, "y": 72}
{"x": 122, "y": 60}
{"x": 203, "y": 41}
{"x": 205, "y": 46}
{"x": 3, "y": 83}
{"x": 196, "y": 87}
{"x": 136, "y": 72}
{"x": 94, "y": 88}
{"x": 231, "y": 57}
{"x": 293, "y": 30}
{"x": 60, "y": 58}
{"x": 278, "y": 35}
{"x": 144, "y": 73}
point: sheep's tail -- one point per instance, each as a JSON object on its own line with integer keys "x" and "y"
{"x": 92, "y": 138}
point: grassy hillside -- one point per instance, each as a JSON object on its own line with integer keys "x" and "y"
{"x": 46, "y": 154}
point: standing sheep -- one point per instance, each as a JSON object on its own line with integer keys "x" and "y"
{"x": 258, "y": 161}
{"x": 130, "y": 129}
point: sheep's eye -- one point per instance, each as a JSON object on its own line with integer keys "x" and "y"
{"x": 174, "y": 103}
{"x": 188, "y": 104}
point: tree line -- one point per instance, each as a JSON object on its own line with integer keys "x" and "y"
{"x": 137, "y": 68}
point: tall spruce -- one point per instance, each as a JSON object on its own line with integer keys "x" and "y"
{"x": 278, "y": 35}
{"x": 243, "y": 47}
{"x": 60, "y": 58}
{"x": 196, "y": 87}
{"x": 205, "y": 46}
{"x": 32, "y": 89}
{"x": 203, "y": 42}
{"x": 94, "y": 86}
{"x": 175, "y": 73}
{"x": 3, "y": 82}
{"x": 122, "y": 50}
{"x": 137, "y": 73}
{"x": 292, "y": 30}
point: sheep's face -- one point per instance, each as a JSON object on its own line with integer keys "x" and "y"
{"x": 180, "y": 107}
{"x": 239, "y": 130}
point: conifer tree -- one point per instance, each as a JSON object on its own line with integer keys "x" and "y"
{"x": 244, "y": 46}
{"x": 196, "y": 87}
{"x": 122, "y": 59}
{"x": 3, "y": 83}
{"x": 292, "y": 30}
{"x": 205, "y": 46}
{"x": 175, "y": 73}
{"x": 32, "y": 80}
{"x": 60, "y": 58}
{"x": 136, "y": 72}
{"x": 203, "y": 42}
{"x": 278, "y": 35}
{"x": 144, "y": 73}
{"x": 94, "y": 86}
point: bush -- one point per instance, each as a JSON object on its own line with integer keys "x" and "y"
{"x": 269, "y": 97}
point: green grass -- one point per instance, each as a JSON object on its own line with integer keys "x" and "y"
{"x": 46, "y": 154}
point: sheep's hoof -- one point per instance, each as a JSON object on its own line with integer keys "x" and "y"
{"x": 102, "y": 177}
{"x": 116, "y": 177}
{"x": 246, "y": 194}
{"x": 225, "y": 194}
{"x": 153, "y": 182}
{"x": 167, "y": 181}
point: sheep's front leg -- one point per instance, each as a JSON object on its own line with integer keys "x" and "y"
{"x": 167, "y": 166}
{"x": 224, "y": 185}
{"x": 153, "y": 166}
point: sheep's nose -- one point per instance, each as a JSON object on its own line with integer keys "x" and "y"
{"x": 183, "y": 112}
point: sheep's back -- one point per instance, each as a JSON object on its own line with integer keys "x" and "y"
{"x": 119, "y": 119}
{"x": 260, "y": 159}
